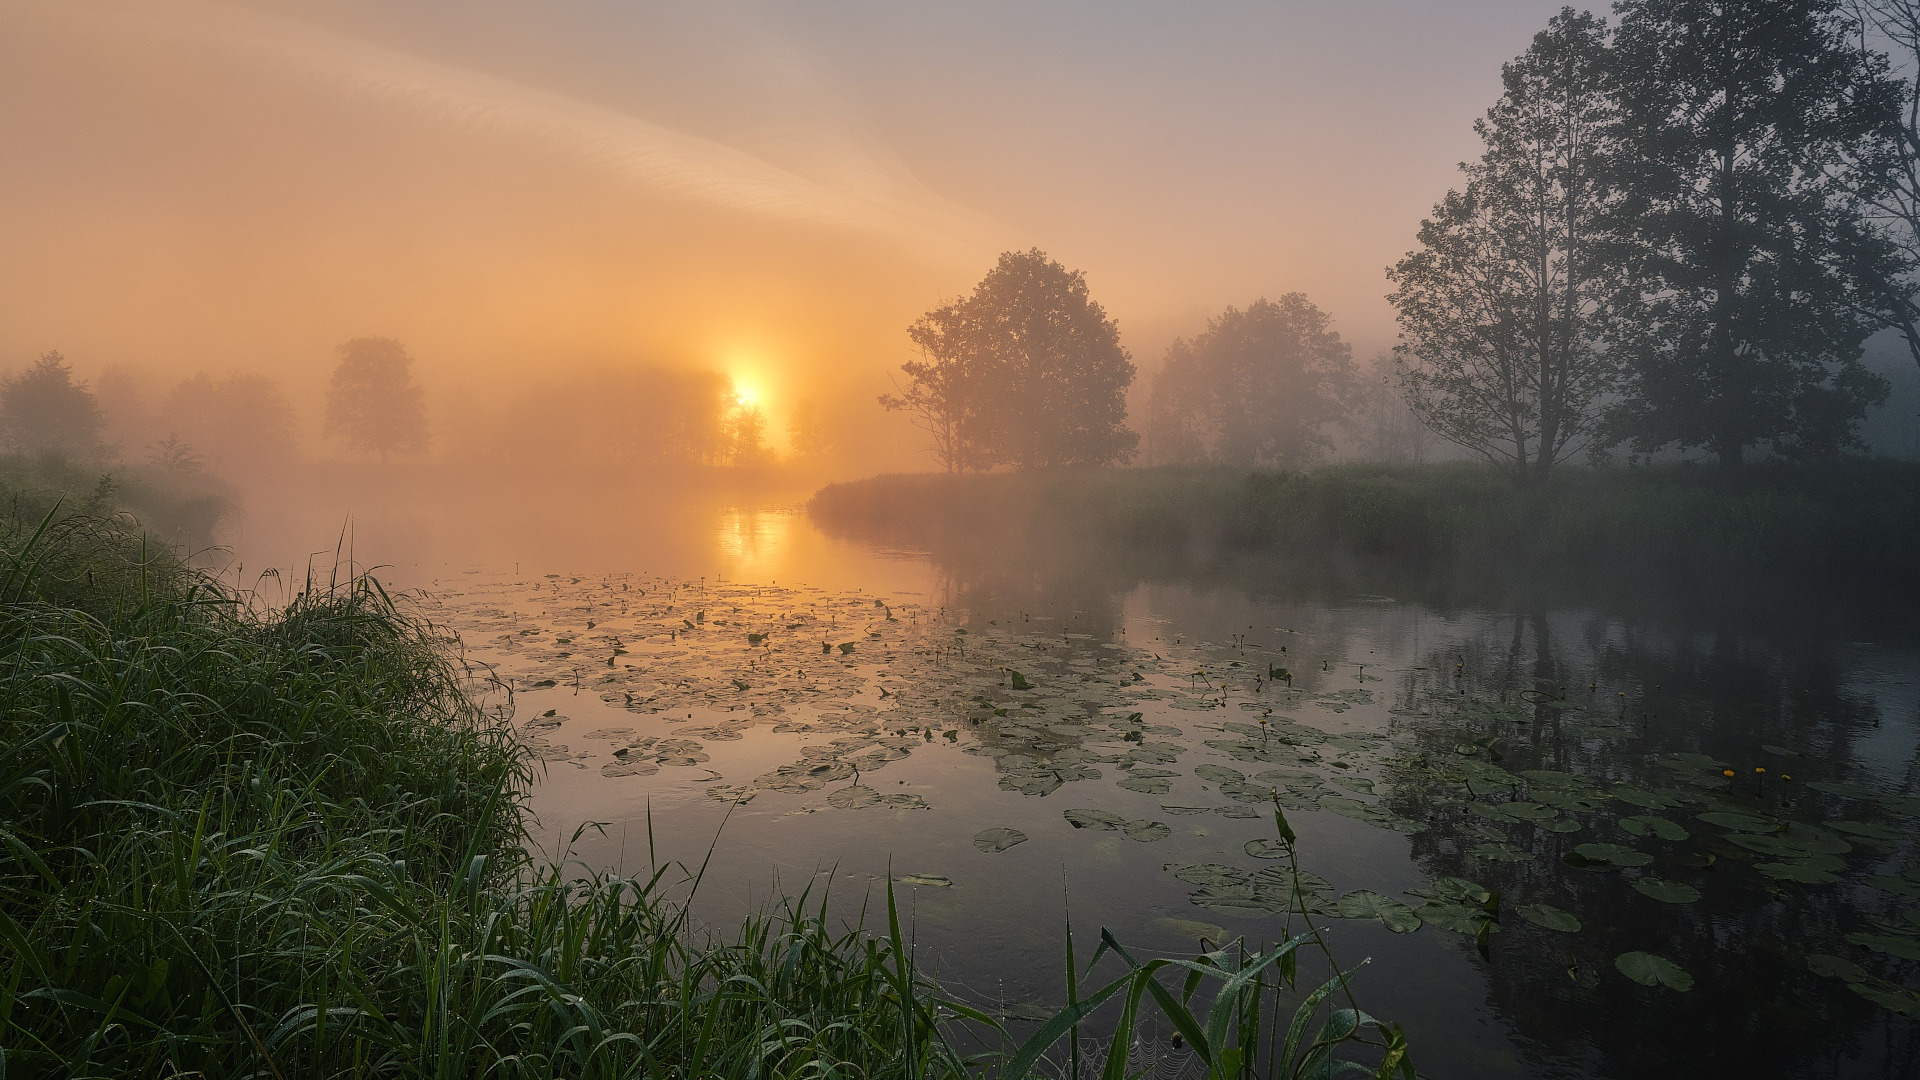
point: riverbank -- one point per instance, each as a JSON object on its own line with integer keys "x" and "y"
{"x": 1454, "y": 528}
{"x": 243, "y": 840}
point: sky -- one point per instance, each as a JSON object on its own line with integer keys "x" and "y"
{"x": 774, "y": 190}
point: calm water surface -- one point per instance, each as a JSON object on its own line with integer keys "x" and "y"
{"x": 1016, "y": 741}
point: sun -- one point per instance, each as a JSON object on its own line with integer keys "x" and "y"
{"x": 746, "y": 395}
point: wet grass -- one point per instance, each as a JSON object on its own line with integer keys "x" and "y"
{"x": 1843, "y": 525}
{"x": 241, "y": 841}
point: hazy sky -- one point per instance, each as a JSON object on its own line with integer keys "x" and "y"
{"x": 774, "y": 189}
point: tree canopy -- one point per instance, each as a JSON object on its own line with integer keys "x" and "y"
{"x": 1503, "y": 307}
{"x": 1260, "y": 386}
{"x": 1026, "y": 371}
{"x": 373, "y": 404}
{"x": 1753, "y": 139}
{"x": 44, "y": 410}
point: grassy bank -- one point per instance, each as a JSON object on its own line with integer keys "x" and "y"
{"x": 285, "y": 843}
{"x": 1849, "y": 525}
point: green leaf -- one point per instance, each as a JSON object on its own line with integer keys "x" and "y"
{"x": 1642, "y": 824}
{"x": 1207, "y": 873}
{"x": 1905, "y": 948}
{"x": 996, "y": 840}
{"x": 1266, "y": 849}
{"x": 1836, "y": 967}
{"x": 1650, "y": 970}
{"x": 1550, "y": 917}
{"x": 1871, "y": 830}
{"x": 1145, "y": 831}
{"x": 1667, "y": 892}
{"x": 1740, "y": 822}
{"x": 1366, "y": 904}
{"x": 1801, "y": 872}
{"x": 1094, "y": 819}
{"x": 1499, "y": 853}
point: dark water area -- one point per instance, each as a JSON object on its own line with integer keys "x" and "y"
{"x": 1516, "y": 817}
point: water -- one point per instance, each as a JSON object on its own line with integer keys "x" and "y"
{"x": 908, "y": 716}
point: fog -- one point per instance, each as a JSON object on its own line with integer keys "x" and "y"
{"x": 523, "y": 193}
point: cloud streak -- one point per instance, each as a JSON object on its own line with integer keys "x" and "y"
{"x": 870, "y": 198}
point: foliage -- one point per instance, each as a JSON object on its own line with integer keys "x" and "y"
{"x": 373, "y": 404}
{"x": 238, "y": 421}
{"x": 1753, "y": 137}
{"x": 43, "y": 410}
{"x": 1027, "y": 371}
{"x": 1675, "y": 530}
{"x": 1896, "y": 208}
{"x": 1388, "y": 428}
{"x": 1258, "y": 387}
{"x": 242, "y": 841}
{"x": 1502, "y": 308}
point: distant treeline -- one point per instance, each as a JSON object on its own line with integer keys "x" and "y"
{"x": 1682, "y": 230}
{"x": 245, "y": 425}
{"x": 1679, "y": 530}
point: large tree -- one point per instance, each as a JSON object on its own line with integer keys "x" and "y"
{"x": 44, "y": 410}
{"x": 1259, "y": 386}
{"x": 1503, "y": 306}
{"x": 1895, "y": 25}
{"x": 1027, "y": 371}
{"x": 1754, "y": 137}
{"x": 373, "y": 404}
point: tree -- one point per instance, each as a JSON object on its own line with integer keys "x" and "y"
{"x": 238, "y": 421}
{"x": 940, "y": 392}
{"x": 1388, "y": 427}
{"x": 373, "y": 404}
{"x": 1754, "y": 138}
{"x": 1503, "y": 307}
{"x": 745, "y": 433}
{"x": 1259, "y": 386}
{"x": 1896, "y": 209}
{"x": 43, "y": 410}
{"x": 1027, "y": 371}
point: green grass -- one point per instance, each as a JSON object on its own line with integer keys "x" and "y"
{"x": 285, "y": 843}
{"x": 1843, "y": 525}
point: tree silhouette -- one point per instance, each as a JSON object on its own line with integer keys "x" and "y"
{"x": 1754, "y": 136}
{"x": 1259, "y": 387}
{"x": 373, "y": 404}
{"x": 1502, "y": 308}
{"x": 1027, "y": 371}
{"x": 43, "y": 410}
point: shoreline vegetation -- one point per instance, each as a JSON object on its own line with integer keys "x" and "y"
{"x": 247, "y": 841}
{"x": 1451, "y": 531}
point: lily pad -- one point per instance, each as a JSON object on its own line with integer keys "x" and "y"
{"x": 1836, "y": 967}
{"x": 1801, "y": 872}
{"x": 1207, "y": 873}
{"x": 1898, "y": 885}
{"x": 1550, "y": 917}
{"x": 1243, "y": 900}
{"x": 1366, "y": 904}
{"x": 1094, "y": 819}
{"x": 1740, "y": 822}
{"x": 930, "y": 880}
{"x": 1650, "y": 970}
{"x": 1887, "y": 995}
{"x": 1499, "y": 853}
{"x": 1146, "y": 831}
{"x": 1264, "y": 848}
{"x": 997, "y": 840}
{"x": 1642, "y": 824}
{"x": 1609, "y": 854}
{"x": 1868, "y": 830}
{"x": 1149, "y": 781}
{"x": 1905, "y": 948}
{"x": 1667, "y": 892}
